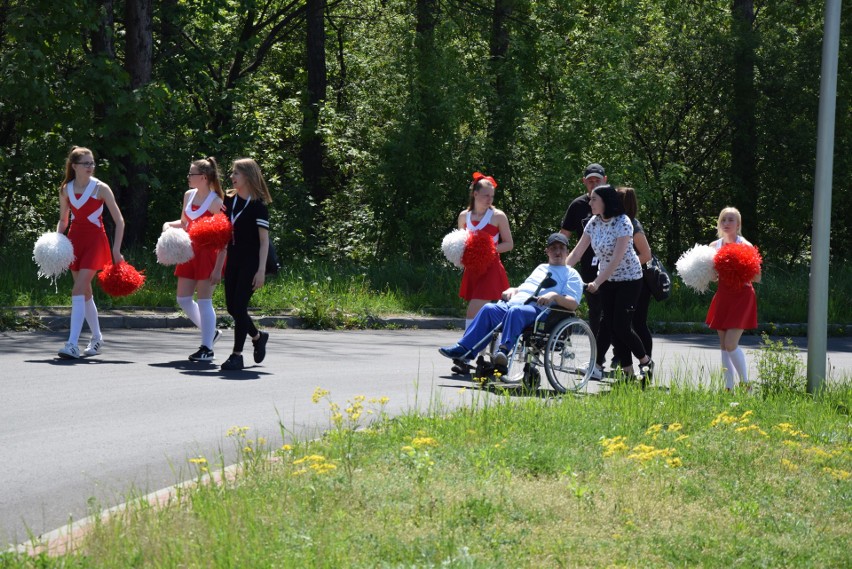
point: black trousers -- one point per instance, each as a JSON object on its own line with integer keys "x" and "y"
{"x": 238, "y": 290}
{"x": 618, "y": 303}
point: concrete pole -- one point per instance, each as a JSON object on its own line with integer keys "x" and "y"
{"x": 818, "y": 301}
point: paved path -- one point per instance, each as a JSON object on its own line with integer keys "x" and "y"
{"x": 79, "y": 436}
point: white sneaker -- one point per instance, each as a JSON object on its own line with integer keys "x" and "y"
{"x": 69, "y": 352}
{"x": 94, "y": 347}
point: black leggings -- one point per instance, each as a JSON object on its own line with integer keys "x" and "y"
{"x": 238, "y": 291}
{"x": 640, "y": 319}
{"x": 618, "y": 302}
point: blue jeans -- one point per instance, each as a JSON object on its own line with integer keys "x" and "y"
{"x": 515, "y": 318}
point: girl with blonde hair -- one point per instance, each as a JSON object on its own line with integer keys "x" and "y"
{"x": 245, "y": 271}
{"x": 84, "y": 196}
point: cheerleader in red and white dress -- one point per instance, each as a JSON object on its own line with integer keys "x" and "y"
{"x": 202, "y": 273}
{"x": 481, "y": 215}
{"x": 733, "y": 308}
{"x": 81, "y": 203}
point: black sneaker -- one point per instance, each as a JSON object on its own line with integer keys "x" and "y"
{"x": 234, "y": 362}
{"x": 204, "y": 354}
{"x": 260, "y": 347}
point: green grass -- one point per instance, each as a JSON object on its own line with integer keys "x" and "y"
{"x": 691, "y": 477}
{"x": 342, "y": 294}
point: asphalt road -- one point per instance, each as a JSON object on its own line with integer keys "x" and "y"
{"x": 80, "y": 436}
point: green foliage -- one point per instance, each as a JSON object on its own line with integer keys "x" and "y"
{"x": 644, "y": 87}
{"x": 779, "y": 368}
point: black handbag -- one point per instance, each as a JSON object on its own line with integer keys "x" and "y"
{"x": 272, "y": 263}
{"x": 657, "y": 279}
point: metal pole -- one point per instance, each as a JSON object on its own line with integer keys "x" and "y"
{"x": 818, "y": 301}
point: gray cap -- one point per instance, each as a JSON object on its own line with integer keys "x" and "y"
{"x": 594, "y": 171}
{"x": 557, "y": 238}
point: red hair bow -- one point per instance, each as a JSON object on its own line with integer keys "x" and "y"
{"x": 480, "y": 176}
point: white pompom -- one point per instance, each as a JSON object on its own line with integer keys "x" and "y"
{"x": 696, "y": 268}
{"x": 174, "y": 247}
{"x": 53, "y": 253}
{"x": 453, "y": 246}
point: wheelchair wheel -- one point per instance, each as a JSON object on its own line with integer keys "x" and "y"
{"x": 570, "y": 355}
{"x": 515, "y": 372}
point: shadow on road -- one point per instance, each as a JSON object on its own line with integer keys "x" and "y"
{"x": 209, "y": 369}
{"x": 57, "y": 361}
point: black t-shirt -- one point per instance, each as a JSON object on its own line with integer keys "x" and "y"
{"x": 576, "y": 216}
{"x": 246, "y": 217}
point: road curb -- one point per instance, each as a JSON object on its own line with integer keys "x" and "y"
{"x": 58, "y": 318}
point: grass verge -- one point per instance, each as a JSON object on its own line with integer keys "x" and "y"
{"x": 689, "y": 477}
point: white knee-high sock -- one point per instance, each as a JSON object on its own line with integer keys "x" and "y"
{"x": 739, "y": 361}
{"x": 92, "y": 319}
{"x": 467, "y": 323}
{"x": 190, "y": 308}
{"x": 728, "y": 369}
{"x": 78, "y": 314}
{"x": 208, "y": 321}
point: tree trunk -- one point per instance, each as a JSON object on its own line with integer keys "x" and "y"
{"x": 139, "y": 50}
{"x": 313, "y": 148}
{"x": 501, "y": 120}
{"x": 745, "y": 191}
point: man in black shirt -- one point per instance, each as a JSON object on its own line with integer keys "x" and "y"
{"x": 576, "y": 217}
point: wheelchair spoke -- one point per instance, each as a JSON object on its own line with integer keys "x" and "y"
{"x": 570, "y": 355}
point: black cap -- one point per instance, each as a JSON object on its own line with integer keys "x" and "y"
{"x": 595, "y": 170}
{"x": 557, "y": 238}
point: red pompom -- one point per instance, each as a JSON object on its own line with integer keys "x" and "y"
{"x": 121, "y": 279}
{"x": 479, "y": 252}
{"x": 211, "y": 232}
{"x": 737, "y": 264}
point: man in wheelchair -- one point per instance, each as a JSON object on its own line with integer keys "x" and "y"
{"x": 551, "y": 283}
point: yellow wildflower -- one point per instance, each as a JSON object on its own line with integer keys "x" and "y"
{"x": 788, "y": 465}
{"x": 674, "y": 427}
{"x": 654, "y": 429}
{"x": 837, "y": 473}
{"x": 751, "y": 428}
{"x": 681, "y": 438}
{"x": 198, "y": 460}
{"x": 319, "y": 393}
{"x": 419, "y": 442}
{"x": 675, "y": 462}
{"x": 286, "y": 448}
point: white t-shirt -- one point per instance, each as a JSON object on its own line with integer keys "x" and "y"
{"x": 568, "y": 283}
{"x": 603, "y": 235}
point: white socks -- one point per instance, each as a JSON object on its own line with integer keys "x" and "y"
{"x": 208, "y": 321}
{"x": 728, "y": 369}
{"x": 739, "y": 361}
{"x": 78, "y": 314}
{"x": 190, "y": 308}
{"x": 92, "y": 319}
{"x": 731, "y": 361}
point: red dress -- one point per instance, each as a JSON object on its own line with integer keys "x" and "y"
{"x": 733, "y": 307}
{"x": 490, "y": 284}
{"x": 87, "y": 234}
{"x": 200, "y": 267}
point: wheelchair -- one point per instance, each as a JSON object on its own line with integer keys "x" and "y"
{"x": 557, "y": 341}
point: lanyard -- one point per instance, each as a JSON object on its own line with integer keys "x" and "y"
{"x": 234, "y": 218}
